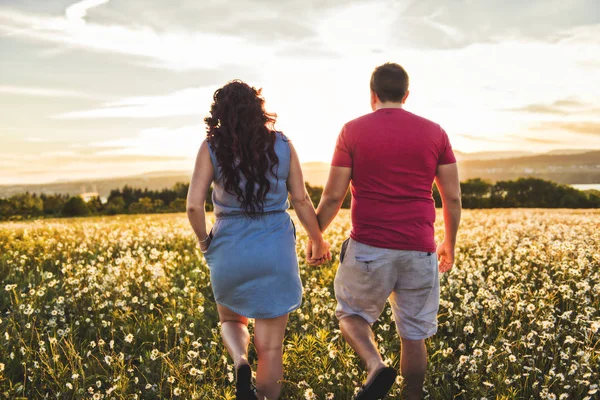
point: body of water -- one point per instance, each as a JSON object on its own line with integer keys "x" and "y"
{"x": 587, "y": 186}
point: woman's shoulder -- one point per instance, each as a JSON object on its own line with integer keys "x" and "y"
{"x": 282, "y": 144}
{"x": 281, "y": 135}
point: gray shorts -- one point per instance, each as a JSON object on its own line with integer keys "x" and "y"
{"x": 368, "y": 276}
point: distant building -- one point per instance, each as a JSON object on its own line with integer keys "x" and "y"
{"x": 87, "y": 196}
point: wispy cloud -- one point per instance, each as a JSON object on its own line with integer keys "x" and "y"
{"x": 41, "y": 92}
{"x": 537, "y": 140}
{"x": 512, "y": 138}
{"x": 584, "y": 127}
{"x": 558, "y": 107}
{"x": 461, "y": 23}
{"x": 76, "y": 12}
{"x": 52, "y": 166}
{"x": 192, "y": 101}
{"x": 483, "y": 138}
{"x": 182, "y": 142}
{"x": 175, "y": 50}
{"x": 35, "y": 140}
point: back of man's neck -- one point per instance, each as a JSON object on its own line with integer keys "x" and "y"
{"x": 388, "y": 104}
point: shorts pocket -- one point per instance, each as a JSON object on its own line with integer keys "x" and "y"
{"x": 344, "y": 249}
{"x": 422, "y": 254}
{"x": 368, "y": 258}
{"x": 365, "y": 253}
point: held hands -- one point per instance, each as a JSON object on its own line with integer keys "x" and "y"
{"x": 317, "y": 253}
{"x": 445, "y": 253}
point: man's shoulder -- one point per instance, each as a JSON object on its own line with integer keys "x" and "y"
{"x": 422, "y": 121}
{"x": 356, "y": 122}
{"x": 372, "y": 118}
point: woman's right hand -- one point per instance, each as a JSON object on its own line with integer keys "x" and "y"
{"x": 204, "y": 244}
{"x": 317, "y": 252}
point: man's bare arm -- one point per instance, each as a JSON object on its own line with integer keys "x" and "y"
{"x": 333, "y": 195}
{"x": 448, "y": 184}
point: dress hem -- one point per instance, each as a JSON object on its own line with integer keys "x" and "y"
{"x": 291, "y": 310}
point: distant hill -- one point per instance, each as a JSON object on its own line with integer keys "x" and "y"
{"x": 316, "y": 173}
{"x": 568, "y": 151}
{"x": 153, "y": 181}
{"x": 568, "y": 167}
{"x": 561, "y": 168}
{"x": 491, "y": 155}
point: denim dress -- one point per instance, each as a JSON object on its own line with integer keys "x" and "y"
{"x": 252, "y": 261}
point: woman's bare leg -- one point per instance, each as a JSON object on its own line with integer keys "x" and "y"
{"x": 268, "y": 340}
{"x": 234, "y": 330}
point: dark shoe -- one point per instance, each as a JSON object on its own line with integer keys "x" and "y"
{"x": 244, "y": 390}
{"x": 379, "y": 386}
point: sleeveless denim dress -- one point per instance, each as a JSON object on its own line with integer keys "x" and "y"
{"x": 252, "y": 261}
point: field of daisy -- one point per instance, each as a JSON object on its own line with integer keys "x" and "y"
{"x": 121, "y": 308}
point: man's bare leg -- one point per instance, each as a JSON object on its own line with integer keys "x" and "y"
{"x": 359, "y": 335}
{"x": 413, "y": 364}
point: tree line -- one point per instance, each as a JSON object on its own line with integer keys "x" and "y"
{"x": 522, "y": 193}
{"x": 476, "y": 193}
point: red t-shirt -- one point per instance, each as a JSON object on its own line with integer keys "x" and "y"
{"x": 394, "y": 155}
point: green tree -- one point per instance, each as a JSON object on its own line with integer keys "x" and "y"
{"x": 116, "y": 205}
{"x": 53, "y": 203}
{"x": 437, "y": 198}
{"x": 95, "y": 205}
{"x": 347, "y": 203}
{"x": 314, "y": 192}
{"x": 27, "y": 204}
{"x": 75, "y": 207}
{"x": 158, "y": 205}
{"x": 142, "y": 206}
{"x": 475, "y": 193}
{"x": 177, "y": 205}
{"x": 6, "y": 209}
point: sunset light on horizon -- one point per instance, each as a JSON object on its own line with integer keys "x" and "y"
{"x": 101, "y": 88}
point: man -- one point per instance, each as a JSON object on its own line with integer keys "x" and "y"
{"x": 392, "y": 158}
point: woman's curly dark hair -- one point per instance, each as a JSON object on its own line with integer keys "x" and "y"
{"x": 242, "y": 135}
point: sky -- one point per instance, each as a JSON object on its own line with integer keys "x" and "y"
{"x": 101, "y": 88}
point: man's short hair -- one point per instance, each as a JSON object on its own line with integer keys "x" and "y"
{"x": 389, "y": 82}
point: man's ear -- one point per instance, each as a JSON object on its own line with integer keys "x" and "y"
{"x": 405, "y": 96}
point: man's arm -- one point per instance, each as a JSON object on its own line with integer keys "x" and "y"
{"x": 333, "y": 195}
{"x": 446, "y": 179}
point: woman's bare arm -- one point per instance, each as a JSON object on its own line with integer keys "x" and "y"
{"x": 304, "y": 208}
{"x": 196, "y": 199}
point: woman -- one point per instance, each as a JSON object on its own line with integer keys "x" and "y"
{"x": 251, "y": 248}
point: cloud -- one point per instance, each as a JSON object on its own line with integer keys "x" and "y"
{"x": 52, "y": 166}
{"x": 180, "y": 142}
{"x": 262, "y": 20}
{"x": 40, "y": 92}
{"x": 536, "y": 140}
{"x": 186, "y": 102}
{"x": 460, "y": 23}
{"x": 567, "y": 106}
{"x": 591, "y": 128}
{"x": 181, "y": 34}
{"x": 483, "y": 138}
{"x": 76, "y": 12}
{"x": 176, "y": 50}
{"x": 35, "y": 140}
{"x": 511, "y": 138}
